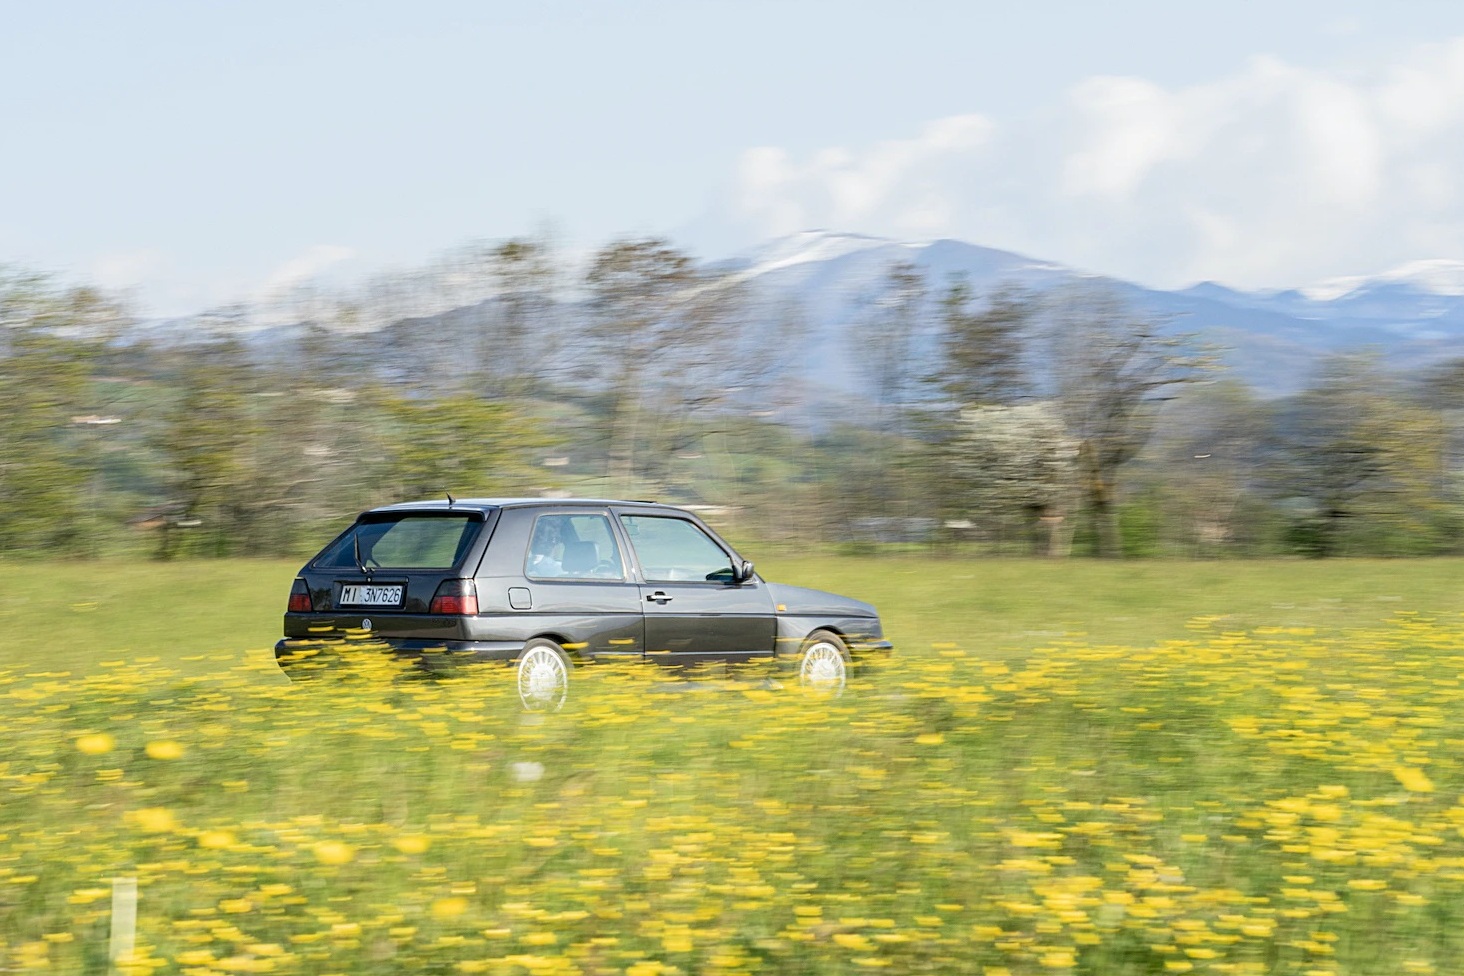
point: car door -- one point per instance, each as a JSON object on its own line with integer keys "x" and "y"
{"x": 694, "y": 609}
{"x": 577, "y": 584}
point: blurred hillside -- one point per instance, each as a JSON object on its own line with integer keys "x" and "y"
{"x": 823, "y": 283}
{"x": 826, "y": 388}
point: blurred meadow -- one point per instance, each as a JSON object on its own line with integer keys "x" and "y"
{"x": 1068, "y": 767}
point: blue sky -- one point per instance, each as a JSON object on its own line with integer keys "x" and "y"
{"x": 199, "y": 153}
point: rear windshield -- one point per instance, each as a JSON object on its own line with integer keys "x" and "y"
{"x": 407, "y": 541}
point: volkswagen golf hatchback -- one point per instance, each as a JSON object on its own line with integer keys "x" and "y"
{"x": 547, "y": 585}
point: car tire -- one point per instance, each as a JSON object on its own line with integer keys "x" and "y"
{"x": 823, "y": 662}
{"x": 543, "y": 675}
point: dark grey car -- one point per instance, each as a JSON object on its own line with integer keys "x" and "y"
{"x": 546, "y": 584}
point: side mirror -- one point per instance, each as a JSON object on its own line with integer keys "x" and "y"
{"x": 744, "y": 572}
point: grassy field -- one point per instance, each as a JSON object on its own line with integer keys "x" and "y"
{"x": 69, "y": 616}
{"x": 1070, "y": 768}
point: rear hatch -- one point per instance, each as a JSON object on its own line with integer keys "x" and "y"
{"x": 382, "y": 574}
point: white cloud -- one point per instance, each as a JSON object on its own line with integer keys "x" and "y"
{"x": 900, "y": 184}
{"x": 1274, "y": 175}
{"x": 1132, "y": 126}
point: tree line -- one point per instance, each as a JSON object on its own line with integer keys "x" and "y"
{"x": 1004, "y": 421}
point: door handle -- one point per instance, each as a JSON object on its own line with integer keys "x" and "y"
{"x": 658, "y": 597}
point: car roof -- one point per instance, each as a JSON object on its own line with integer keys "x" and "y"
{"x": 488, "y": 504}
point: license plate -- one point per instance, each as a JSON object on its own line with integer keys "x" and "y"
{"x": 358, "y": 595}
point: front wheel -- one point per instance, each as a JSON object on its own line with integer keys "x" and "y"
{"x": 543, "y": 676}
{"x": 823, "y": 664}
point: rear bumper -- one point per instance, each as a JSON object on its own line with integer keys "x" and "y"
{"x": 315, "y": 652}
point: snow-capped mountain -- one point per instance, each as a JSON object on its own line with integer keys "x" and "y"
{"x": 823, "y": 285}
{"x": 1412, "y": 316}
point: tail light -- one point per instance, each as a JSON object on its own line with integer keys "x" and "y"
{"x": 300, "y": 597}
{"x": 458, "y": 597}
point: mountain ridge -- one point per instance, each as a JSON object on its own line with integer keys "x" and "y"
{"x": 1413, "y": 315}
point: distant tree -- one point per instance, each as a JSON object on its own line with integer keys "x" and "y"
{"x": 1205, "y": 467}
{"x": 1441, "y": 386}
{"x": 981, "y": 362}
{"x": 522, "y": 352}
{"x": 1441, "y": 389}
{"x": 662, "y": 345}
{"x": 1018, "y": 471}
{"x": 983, "y": 345}
{"x": 894, "y": 323}
{"x": 461, "y": 444}
{"x": 48, "y": 345}
{"x": 205, "y": 440}
{"x": 890, "y": 333}
{"x": 1112, "y": 368}
{"x": 1361, "y": 467}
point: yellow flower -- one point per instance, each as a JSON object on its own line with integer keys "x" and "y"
{"x": 334, "y": 852}
{"x": 449, "y": 907}
{"x": 164, "y": 749}
{"x": 1413, "y": 779}
{"x": 96, "y": 743}
{"x": 155, "y": 820}
{"x": 412, "y": 844}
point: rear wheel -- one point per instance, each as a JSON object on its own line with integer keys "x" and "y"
{"x": 543, "y": 675}
{"x": 823, "y": 663}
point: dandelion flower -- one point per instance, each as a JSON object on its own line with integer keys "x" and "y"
{"x": 1413, "y": 779}
{"x": 164, "y": 749}
{"x": 412, "y": 844}
{"x": 155, "y": 820}
{"x": 449, "y": 907}
{"x": 334, "y": 852}
{"x": 96, "y": 743}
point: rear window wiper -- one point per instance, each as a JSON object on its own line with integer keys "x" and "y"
{"x": 356, "y": 545}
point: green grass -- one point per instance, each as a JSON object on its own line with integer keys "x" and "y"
{"x": 1008, "y": 606}
{"x": 71, "y": 615}
{"x": 59, "y": 616}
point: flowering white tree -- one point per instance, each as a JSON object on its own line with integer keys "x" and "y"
{"x": 1018, "y": 470}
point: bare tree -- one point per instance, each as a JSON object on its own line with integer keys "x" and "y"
{"x": 518, "y": 354}
{"x": 983, "y": 346}
{"x": 1113, "y": 366}
{"x": 664, "y": 345}
{"x": 890, "y": 337}
{"x": 1204, "y": 468}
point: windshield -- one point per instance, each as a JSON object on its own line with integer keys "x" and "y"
{"x": 405, "y": 541}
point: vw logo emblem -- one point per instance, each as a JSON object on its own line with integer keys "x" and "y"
{"x": 366, "y": 624}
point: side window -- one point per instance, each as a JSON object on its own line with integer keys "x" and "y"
{"x": 573, "y": 547}
{"x": 672, "y": 549}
